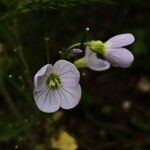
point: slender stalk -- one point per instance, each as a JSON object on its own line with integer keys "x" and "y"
{"x": 82, "y": 45}
{"x": 27, "y": 72}
{"x": 14, "y": 34}
{"x": 9, "y": 101}
{"x": 73, "y": 46}
{"x": 47, "y": 49}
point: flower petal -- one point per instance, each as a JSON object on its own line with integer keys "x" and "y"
{"x": 39, "y": 77}
{"x": 120, "y": 40}
{"x": 66, "y": 70}
{"x": 94, "y": 62}
{"x": 120, "y": 57}
{"x": 98, "y": 64}
{"x": 47, "y": 100}
{"x": 69, "y": 96}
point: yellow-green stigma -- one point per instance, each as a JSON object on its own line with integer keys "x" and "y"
{"x": 53, "y": 81}
{"x": 98, "y": 46}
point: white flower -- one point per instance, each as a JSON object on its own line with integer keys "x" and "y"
{"x": 57, "y": 86}
{"x": 113, "y": 51}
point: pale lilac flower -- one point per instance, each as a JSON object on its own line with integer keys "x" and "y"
{"x": 57, "y": 86}
{"x": 95, "y": 63}
{"x": 113, "y": 51}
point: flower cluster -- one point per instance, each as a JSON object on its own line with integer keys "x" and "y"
{"x": 57, "y": 86}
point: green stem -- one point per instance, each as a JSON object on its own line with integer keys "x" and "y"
{"x": 14, "y": 34}
{"x": 82, "y": 45}
{"x": 20, "y": 90}
{"x": 21, "y": 56}
{"x": 73, "y": 46}
{"x": 47, "y": 49}
{"x": 9, "y": 101}
{"x": 26, "y": 70}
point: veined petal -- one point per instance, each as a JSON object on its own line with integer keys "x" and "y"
{"x": 69, "y": 96}
{"x": 66, "y": 95}
{"x": 47, "y": 100}
{"x": 68, "y": 81}
{"x": 120, "y": 57}
{"x": 94, "y": 62}
{"x": 66, "y": 70}
{"x": 89, "y": 53}
{"x": 98, "y": 64}
{"x": 120, "y": 40}
{"x": 39, "y": 78}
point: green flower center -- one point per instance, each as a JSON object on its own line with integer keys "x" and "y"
{"x": 53, "y": 81}
{"x": 98, "y": 46}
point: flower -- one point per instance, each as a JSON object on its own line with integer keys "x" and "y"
{"x": 57, "y": 86}
{"x": 91, "y": 61}
{"x": 113, "y": 51}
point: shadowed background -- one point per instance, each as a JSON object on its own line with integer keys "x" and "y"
{"x": 114, "y": 109}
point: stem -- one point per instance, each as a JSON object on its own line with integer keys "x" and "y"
{"x": 9, "y": 101}
{"x": 47, "y": 49}
{"x": 14, "y": 33}
{"x": 84, "y": 38}
{"x": 81, "y": 44}
{"x": 73, "y": 46}
{"x": 27, "y": 72}
{"x": 20, "y": 90}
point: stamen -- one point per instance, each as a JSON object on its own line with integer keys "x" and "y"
{"x": 98, "y": 46}
{"x": 53, "y": 81}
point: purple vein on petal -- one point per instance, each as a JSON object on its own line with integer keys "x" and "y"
{"x": 50, "y": 93}
{"x": 69, "y": 87}
{"x": 68, "y": 92}
{"x": 66, "y": 72}
{"x": 65, "y": 98}
{"x": 41, "y": 93}
{"x": 45, "y": 99}
{"x": 62, "y": 68}
{"x": 59, "y": 96}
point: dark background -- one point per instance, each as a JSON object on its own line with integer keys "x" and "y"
{"x": 114, "y": 110}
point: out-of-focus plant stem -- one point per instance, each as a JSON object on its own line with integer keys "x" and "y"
{"x": 27, "y": 73}
{"x": 15, "y": 40}
{"x": 20, "y": 90}
{"x": 21, "y": 56}
{"x": 82, "y": 45}
{"x": 9, "y": 101}
{"x": 73, "y": 46}
{"x": 47, "y": 49}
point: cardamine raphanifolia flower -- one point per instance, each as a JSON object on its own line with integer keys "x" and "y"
{"x": 57, "y": 86}
{"x": 113, "y": 50}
